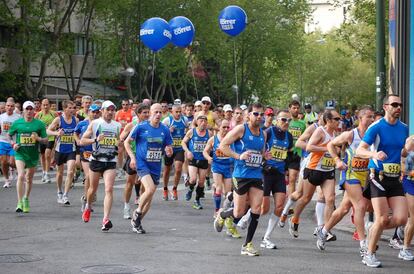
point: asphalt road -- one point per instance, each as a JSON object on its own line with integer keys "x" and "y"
{"x": 179, "y": 239}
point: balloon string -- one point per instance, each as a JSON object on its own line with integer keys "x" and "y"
{"x": 192, "y": 72}
{"x": 235, "y": 70}
{"x": 153, "y": 72}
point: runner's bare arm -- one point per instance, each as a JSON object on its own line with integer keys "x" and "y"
{"x": 127, "y": 145}
{"x": 344, "y": 138}
{"x": 234, "y": 135}
{"x": 304, "y": 138}
{"x": 409, "y": 144}
{"x": 364, "y": 151}
{"x": 207, "y": 150}
{"x": 51, "y": 129}
{"x": 86, "y": 137}
{"x": 186, "y": 139}
{"x": 126, "y": 131}
{"x": 314, "y": 140}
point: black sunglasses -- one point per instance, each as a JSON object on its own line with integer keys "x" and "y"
{"x": 337, "y": 119}
{"x": 258, "y": 113}
{"x": 285, "y": 120}
{"x": 395, "y": 105}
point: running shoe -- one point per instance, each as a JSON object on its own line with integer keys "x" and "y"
{"x": 135, "y": 221}
{"x": 26, "y": 205}
{"x": 406, "y": 255}
{"x": 7, "y": 184}
{"x": 165, "y": 195}
{"x": 106, "y": 225}
{"x": 282, "y": 221}
{"x": 233, "y": 232}
{"x": 186, "y": 181}
{"x": 174, "y": 194}
{"x": 59, "y": 198}
{"x": 65, "y": 200}
{"x": 400, "y": 233}
{"x": 249, "y": 250}
{"x": 47, "y": 179}
{"x": 218, "y": 223}
{"x": 197, "y": 205}
{"x": 293, "y": 229}
{"x": 363, "y": 250}
{"x": 127, "y": 212}
{"x": 83, "y": 203}
{"x": 43, "y": 178}
{"x": 244, "y": 221}
{"x": 266, "y": 243}
{"x": 86, "y": 215}
{"x": 188, "y": 195}
{"x": 320, "y": 242}
{"x": 396, "y": 243}
{"x": 19, "y": 207}
{"x": 315, "y": 232}
{"x": 355, "y": 236}
{"x": 331, "y": 237}
{"x": 139, "y": 230}
{"x": 371, "y": 260}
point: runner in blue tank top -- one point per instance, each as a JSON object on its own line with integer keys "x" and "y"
{"x": 178, "y": 125}
{"x": 249, "y": 152}
{"x": 221, "y": 165}
{"x": 63, "y": 127}
{"x": 193, "y": 144}
{"x": 387, "y": 136}
{"x": 152, "y": 138}
{"x": 279, "y": 142}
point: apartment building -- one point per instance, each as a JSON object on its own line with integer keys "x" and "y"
{"x": 326, "y": 15}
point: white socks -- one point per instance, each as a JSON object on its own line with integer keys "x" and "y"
{"x": 319, "y": 210}
{"x": 273, "y": 220}
{"x": 288, "y": 205}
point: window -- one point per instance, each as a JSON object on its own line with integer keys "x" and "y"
{"x": 80, "y": 46}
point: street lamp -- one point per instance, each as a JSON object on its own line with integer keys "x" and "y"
{"x": 235, "y": 89}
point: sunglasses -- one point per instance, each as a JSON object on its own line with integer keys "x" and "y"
{"x": 110, "y": 108}
{"x": 285, "y": 120}
{"x": 258, "y": 113}
{"x": 395, "y": 105}
{"x": 336, "y": 119}
{"x": 29, "y": 108}
{"x": 206, "y": 103}
{"x": 225, "y": 127}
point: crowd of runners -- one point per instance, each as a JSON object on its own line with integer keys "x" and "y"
{"x": 257, "y": 160}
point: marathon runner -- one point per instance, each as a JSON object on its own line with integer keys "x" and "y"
{"x": 249, "y": 151}
{"x": 86, "y": 151}
{"x": 279, "y": 142}
{"x": 46, "y": 150}
{"x": 29, "y": 133}
{"x": 152, "y": 138}
{"x": 177, "y": 125}
{"x": 193, "y": 144}
{"x": 237, "y": 118}
{"x": 384, "y": 187}
{"x": 7, "y": 153}
{"x": 131, "y": 180}
{"x": 103, "y": 135}
{"x": 354, "y": 173}
{"x": 320, "y": 170}
{"x": 63, "y": 127}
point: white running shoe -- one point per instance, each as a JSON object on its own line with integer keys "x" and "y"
{"x": 371, "y": 260}
{"x": 396, "y": 243}
{"x": 127, "y": 212}
{"x": 406, "y": 255}
{"x": 244, "y": 221}
{"x": 65, "y": 200}
{"x": 7, "y": 184}
{"x": 59, "y": 198}
{"x": 47, "y": 179}
{"x": 266, "y": 243}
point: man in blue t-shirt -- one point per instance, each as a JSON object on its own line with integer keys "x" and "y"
{"x": 387, "y": 137}
{"x": 152, "y": 138}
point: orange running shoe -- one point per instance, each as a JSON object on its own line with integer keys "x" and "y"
{"x": 355, "y": 236}
{"x": 86, "y": 215}
{"x": 165, "y": 195}
{"x": 175, "y": 194}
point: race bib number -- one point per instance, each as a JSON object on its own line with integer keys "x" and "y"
{"x": 176, "y": 142}
{"x": 359, "y": 164}
{"x": 278, "y": 153}
{"x": 26, "y": 140}
{"x": 220, "y": 154}
{"x": 154, "y": 155}
{"x": 255, "y": 159}
{"x": 295, "y": 132}
{"x": 327, "y": 162}
{"x": 199, "y": 146}
{"x": 6, "y": 126}
{"x": 109, "y": 141}
{"x": 66, "y": 139}
{"x": 87, "y": 155}
{"x": 391, "y": 170}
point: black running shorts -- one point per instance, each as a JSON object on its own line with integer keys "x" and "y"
{"x": 391, "y": 187}
{"x": 242, "y": 185}
{"x": 273, "y": 182}
{"x": 316, "y": 177}
{"x": 63, "y": 158}
{"x": 202, "y": 164}
{"x": 177, "y": 156}
{"x": 101, "y": 167}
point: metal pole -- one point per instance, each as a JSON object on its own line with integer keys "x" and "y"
{"x": 380, "y": 58}
{"x": 138, "y": 69}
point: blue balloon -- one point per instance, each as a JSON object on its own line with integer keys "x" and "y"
{"x": 155, "y": 33}
{"x": 182, "y": 30}
{"x": 232, "y": 20}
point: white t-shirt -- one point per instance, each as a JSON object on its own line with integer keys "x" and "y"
{"x": 5, "y": 123}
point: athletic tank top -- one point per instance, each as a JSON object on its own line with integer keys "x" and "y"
{"x": 304, "y": 152}
{"x": 178, "y": 133}
{"x": 218, "y": 157}
{"x": 47, "y": 119}
{"x": 322, "y": 161}
{"x": 66, "y": 142}
{"x": 210, "y": 120}
{"x": 278, "y": 149}
{"x": 197, "y": 144}
{"x": 357, "y": 167}
{"x": 252, "y": 167}
{"x": 105, "y": 150}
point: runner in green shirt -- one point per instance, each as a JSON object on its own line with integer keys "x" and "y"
{"x": 296, "y": 128}
{"x": 29, "y": 133}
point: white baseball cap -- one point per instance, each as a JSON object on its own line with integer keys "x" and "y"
{"x": 198, "y": 103}
{"x": 177, "y": 102}
{"x": 243, "y": 107}
{"x": 206, "y": 99}
{"x": 106, "y": 104}
{"x": 28, "y": 104}
{"x": 227, "y": 107}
